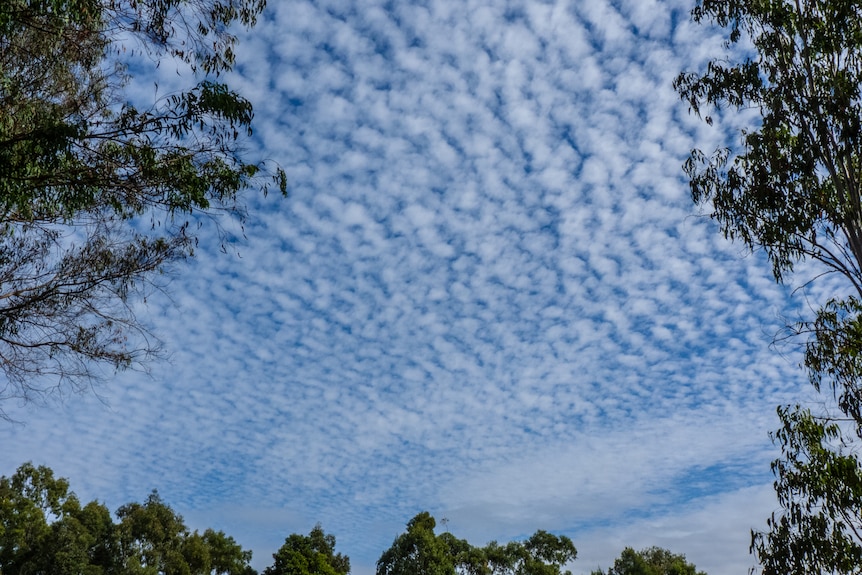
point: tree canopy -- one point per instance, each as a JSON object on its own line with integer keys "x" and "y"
{"x": 792, "y": 189}
{"x": 650, "y": 561}
{"x": 312, "y": 554}
{"x": 45, "y": 529}
{"x": 419, "y": 551}
{"x": 98, "y": 193}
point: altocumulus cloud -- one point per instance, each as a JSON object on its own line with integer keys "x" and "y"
{"x": 488, "y": 296}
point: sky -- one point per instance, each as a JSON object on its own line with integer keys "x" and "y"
{"x": 488, "y": 296}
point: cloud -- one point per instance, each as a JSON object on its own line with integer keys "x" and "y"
{"x": 714, "y": 534}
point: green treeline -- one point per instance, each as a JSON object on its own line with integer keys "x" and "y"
{"x": 46, "y": 530}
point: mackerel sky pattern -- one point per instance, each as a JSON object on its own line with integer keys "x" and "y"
{"x": 488, "y": 296}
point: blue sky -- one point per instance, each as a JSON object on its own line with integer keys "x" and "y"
{"x": 488, "y": 296}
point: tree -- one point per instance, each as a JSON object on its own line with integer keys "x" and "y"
{"x": 26, "y": 499}
{"x": 650, "y": 561}
{"x": 224, "y": 555}
{"x": 792, "y": 189}
{"x": 44, "y": 529}
{"x": 312, "y": 554}
{"x": 420, "y": 551}
{"x": 98, "y": 195}
{"x": 541, "y": 554}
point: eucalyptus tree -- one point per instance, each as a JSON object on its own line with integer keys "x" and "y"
{"x": 420, "y": 551}
{"x": 98, "y": 191}
{"x": 44, "y": 529}
{"x": 312, "y": 554}
{"x": 792, "y": 188}
{"x": 650, "y": 561}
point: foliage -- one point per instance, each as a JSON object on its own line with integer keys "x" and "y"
{"x": 419, "y": 551}
{"x": 819, "y": 485}
{"x": 97, "y": 194}
{"x": 793, "y": 190}
{"x": 650, "y": 561}
{"x": 312, "y": 554}
{"x": 44, "y": 529}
